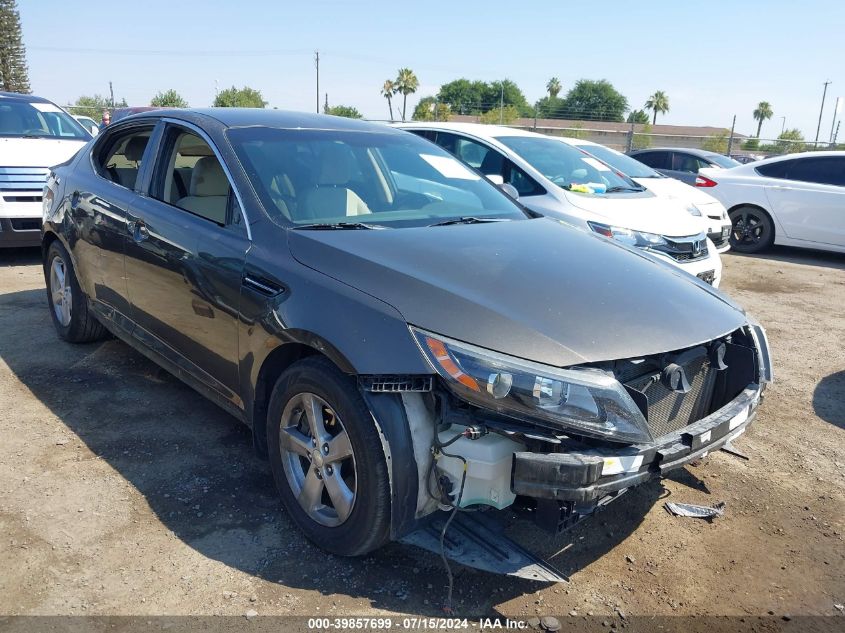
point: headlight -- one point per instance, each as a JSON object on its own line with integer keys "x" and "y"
{"x": 628, "y": 236}
{"x": 585, "y": 401}
{"x": 694, "y": 210}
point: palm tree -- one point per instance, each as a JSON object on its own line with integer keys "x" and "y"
{"x": 762, "y": 112}
{"x": 387, "y": 91}
{"x": 406, "y": 83}
{"x": 658, "y": 102}
{"x": 553, "y": 87}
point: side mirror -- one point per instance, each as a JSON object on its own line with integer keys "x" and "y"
{"x": 510, "y": 190}
{"x": 496, "y": 179}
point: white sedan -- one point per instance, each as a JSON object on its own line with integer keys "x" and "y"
{"x": 714, "y": 216}
{"x": 561, "y": 181}
{"x": 794, "y": 200}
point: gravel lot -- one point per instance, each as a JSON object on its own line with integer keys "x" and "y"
{"x": 123, "y": 492}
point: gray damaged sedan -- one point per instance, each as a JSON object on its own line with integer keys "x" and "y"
{"x": 402, "y": 337}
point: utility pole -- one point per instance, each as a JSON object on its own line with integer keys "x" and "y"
{"x": 836, "y": 110}
{"x": 111, "y": 92}
{"x": 502, "y": 105}
{"x": 326, "y": 107}
{"x": 317, "y": 64}
{"x": 731, "y": 138}
{"x": 836, "y": 133}
{"x": 783, "y": 125}
{"x": 821, "y": 111}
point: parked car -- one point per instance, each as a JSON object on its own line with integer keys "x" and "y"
{"x": 744, "y": 159}
{"x": 122, "y": 113}
{"x": 88, "y": 123}
{"x": 683, "y": 164}
{"x": 547, "y": 176}
{"x": 363, "y": 301}
{"x": 714, "y": 216}
{"x": 34, "y": 134}
{"x": 794, "y": 200}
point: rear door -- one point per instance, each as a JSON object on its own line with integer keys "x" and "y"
{"x": 807, "y": 196}
{"x": 685, "y": 166}
{"x": 100, "y": 198}
{"x": 184, "y": 260}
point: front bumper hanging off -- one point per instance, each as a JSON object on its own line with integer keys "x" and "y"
{"x": 592, "y": 474}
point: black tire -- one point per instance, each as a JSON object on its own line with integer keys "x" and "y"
{"x": 367, "y": 526}
{"x": 753, "y": 230}
{"x": 82, "y": 326}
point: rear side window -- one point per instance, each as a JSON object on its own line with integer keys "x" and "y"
{"x": 657, "y": 160}
{"x": 687, "y": 162}
{"x": 779, "y": 169}
{"x": 118, "y": 156}
{"x": 828, "y": 170}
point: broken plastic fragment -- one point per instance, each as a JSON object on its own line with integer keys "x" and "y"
{"x": 696, "y": 512}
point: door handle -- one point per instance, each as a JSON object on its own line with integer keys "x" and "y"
{"x": 140, "y": 232}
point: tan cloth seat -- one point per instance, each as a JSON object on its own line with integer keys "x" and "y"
{"x": 209, "y": 190}
{"x": 331, "y": 197}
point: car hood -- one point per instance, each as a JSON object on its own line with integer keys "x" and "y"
{"x": 638, "y": 211}
{"x": 36, "y": 152}
{"x": 671, "y": 188}
{"x": 535, "y": 289}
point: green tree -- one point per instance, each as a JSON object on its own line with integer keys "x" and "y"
{"x": 642, "y": 140}
{"x": 508, "y": 92}
{"x": 406, "y": 84}
{"x": 387, "y": 91}
{"x": 658, "y": 102}
{"x": 93, "y": 106}
{"x": 430, "y": 109}
{"x": 504, "y": 116}
{"x": 345, "y": 111}
{"x": 716, "y": 143}
{"x": 595, "y": 100}
{"x": 751, "y": 144}
{"x": 477, "y": 97}
{"x": 553, "y": 87}
{"x": 245, "y": 97}
{"x": 169, "y": 99}
{"x": 762, "y": 112}
{"x": 637, "y": 116}
{"x": 789, "y": 142}
{"x": 14, "y": 75}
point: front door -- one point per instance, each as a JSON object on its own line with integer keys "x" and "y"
{"x": 184, "y": 261}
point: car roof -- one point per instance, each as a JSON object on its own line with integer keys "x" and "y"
{"x": 261, "y": 117}
{"x": 776, "y": 159}
{"x": 688, "y": 150}
{"x": 16, "y": 96}
{"x": 480, "y": 130}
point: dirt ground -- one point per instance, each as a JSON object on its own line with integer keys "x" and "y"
{"x": 123, "y": 492}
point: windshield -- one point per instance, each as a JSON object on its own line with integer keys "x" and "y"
{"x": 331, "y": 177}
{"x": 723, "y": 161}
{"x": 565, "y": 165}
{"x": 38, "y": 120}
{"x": 627, "y": 165}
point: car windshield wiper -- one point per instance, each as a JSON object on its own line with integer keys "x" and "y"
{"x": 469, "y": 220}
{"x": 338, "y": 226}
{"x": 621, "y": 188}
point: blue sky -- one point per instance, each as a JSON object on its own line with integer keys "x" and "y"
{"x": 714, "y": 59}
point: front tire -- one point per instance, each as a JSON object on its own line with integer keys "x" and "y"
{"x": 753, "y": 230}
{"x": 68, "y": 304}
{"x": 327, "y": 459}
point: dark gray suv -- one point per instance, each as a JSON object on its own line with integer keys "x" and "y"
{"x": 400, "y": 335}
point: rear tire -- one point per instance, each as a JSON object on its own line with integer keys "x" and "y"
{"x": 68, "y": 304}
{"x": 336, "y": 488}
{"x": 753, "y": 230}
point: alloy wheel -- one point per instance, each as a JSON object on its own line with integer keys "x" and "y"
{"x": 318, "y": 459}
{"x": 749, "y": 228}
{"x": 60, "y": 291}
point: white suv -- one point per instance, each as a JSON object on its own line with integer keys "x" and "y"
{"x": 35, "y": 134}
{"x": 558, "y": 180}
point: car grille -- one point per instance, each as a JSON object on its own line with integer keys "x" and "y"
{"x": 22, "y": 184}
{"x": 684, "y": 249}
{"x": 708, "y": 277}
{"x": 667, "y": 410}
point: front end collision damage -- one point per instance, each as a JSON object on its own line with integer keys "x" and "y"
{"x": 562, "y": 477}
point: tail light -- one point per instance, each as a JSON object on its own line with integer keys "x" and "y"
{"x": 704, "y": 181}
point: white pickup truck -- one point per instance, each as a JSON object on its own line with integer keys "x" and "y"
{"x": 35, "y": 134}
